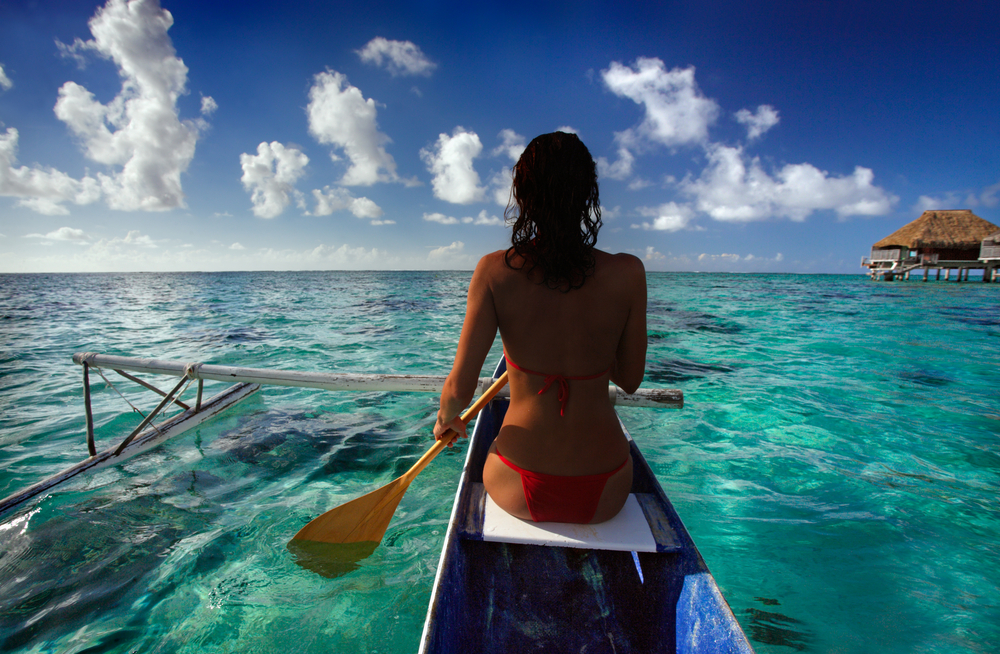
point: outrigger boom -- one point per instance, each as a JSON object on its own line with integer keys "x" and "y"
{"x": 246, "y": 382}
{"x": 341, "y": 381}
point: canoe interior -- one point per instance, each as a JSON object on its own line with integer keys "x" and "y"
{"x": 505, "y": 597}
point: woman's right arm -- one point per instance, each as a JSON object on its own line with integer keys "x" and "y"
{"x": 630, "y": 357}
{"x": 478, "y": 332}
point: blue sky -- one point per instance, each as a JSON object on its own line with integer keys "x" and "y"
{"x": 730, "y": 136}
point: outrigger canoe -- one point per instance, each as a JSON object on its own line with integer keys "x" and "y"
{"x": 635, "y": 584}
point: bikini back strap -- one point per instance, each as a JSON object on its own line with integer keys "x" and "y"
{"x": 562, "y": 380}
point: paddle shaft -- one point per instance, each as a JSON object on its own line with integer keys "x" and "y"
{"x": 451, "y": 435}
{"x": 366, "y": 518}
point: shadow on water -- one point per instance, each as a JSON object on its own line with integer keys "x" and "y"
{"x": 74, "y": 567}
{"x": 924, "y": 378}
{"x": 773, "y": 628}
{"x": 330, "y": 560}
{"x": 276, "y": 443}
{"x": 697, "y": 321}
{"x": 680, "y": 370}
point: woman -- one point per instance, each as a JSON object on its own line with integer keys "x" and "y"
{"x": 571, "y": 318}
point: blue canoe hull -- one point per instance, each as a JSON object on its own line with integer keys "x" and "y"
{"x": 504, "y": 597}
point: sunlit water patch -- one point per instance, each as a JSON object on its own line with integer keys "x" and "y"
{"x": 837, "y": 459}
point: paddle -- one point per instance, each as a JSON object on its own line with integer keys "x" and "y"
{"x": 365, "y": 519}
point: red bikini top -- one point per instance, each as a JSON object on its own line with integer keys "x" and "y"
{"x": 563, "y": 381}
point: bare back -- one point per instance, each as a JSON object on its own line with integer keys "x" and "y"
{"x": 596, "y": 328}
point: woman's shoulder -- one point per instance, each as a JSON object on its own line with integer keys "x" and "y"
{"x": 620, "y": 263}
{"x": 492, "y": 263}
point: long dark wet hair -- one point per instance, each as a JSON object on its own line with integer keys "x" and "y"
{"x": 555, "y": 210}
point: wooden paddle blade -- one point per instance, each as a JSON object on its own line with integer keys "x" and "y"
{"x": 330, "y": 560}
{"x": 366, "y": 518}
{"x": 362, "y": 520}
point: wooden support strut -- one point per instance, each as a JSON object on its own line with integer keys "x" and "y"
{"x": 166, "y": 400}
{"x": 91, "y": 447}
{"x": 151, "y": 387}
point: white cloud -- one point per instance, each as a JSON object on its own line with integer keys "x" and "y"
{"x": 758, "y": 123}
{"x": 63, "y": 234}
{"x": 620, "y": 169}
{"x": 952, "y": 200}
{"x": 928, "y": 203}
{"x": 732, "y": 189}
{"x": 124, "y": 254}
{"x": 398, "y": 57}
{"x": 237, "y": 246}
{"x": 365, "y": 208}
{"x": 134, "y": 237}
{"x": 730, "y": 258}
{"x": 42, "y": 190}
{"x": 270, "y": 177}
{"x": 735, "y": 258}
{"x": 652, "y": 254}
{"x": 513, "y": 145}
{"x": 567, "y": 129}
{"x": 450, "y": 160}
{"x": 208, "y": 105}
{"x": 117, "y": 246}
{"x": 5, "y": 82}
{"x": 447, "y": 251}
{"x": 669, "y": 217}
{"x": 139, "y": 130}
{"x": 500, "y": 186}
{"x": 676, "y": 111}
{"x": 336, "y": 199}
{"x": 440, "y": 218}
{"x": 484, "y": 219}
{"x": 383, "y": 222}
{"x": 340, "y": 116}
{"x": 989, "y": 195}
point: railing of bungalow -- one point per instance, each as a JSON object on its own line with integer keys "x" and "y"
{"x": 885, "y": 255}
{"x": 989, "y": 252}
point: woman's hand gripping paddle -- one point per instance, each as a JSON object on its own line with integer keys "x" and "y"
{"x": 362, "y": 522}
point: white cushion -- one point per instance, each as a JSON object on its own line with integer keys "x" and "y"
{"x": 628, "y": 531}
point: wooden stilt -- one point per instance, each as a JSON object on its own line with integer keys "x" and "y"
{"x": 91, "y": 447}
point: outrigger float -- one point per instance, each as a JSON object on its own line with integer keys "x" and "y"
{"x": 246, "y": 382}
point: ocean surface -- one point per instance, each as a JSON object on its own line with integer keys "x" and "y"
{"x": 837, "y": 460}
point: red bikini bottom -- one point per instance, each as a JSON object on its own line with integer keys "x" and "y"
{"x": 561, "y": 498}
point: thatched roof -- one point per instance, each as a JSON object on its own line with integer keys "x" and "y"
{"x": 941, "y": 229}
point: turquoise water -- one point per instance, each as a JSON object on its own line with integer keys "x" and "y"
{"x": 837, "y": 460}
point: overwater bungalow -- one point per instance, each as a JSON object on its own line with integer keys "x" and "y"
{"x": 937, "y": 240}
{"x": 989, "y": 253}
